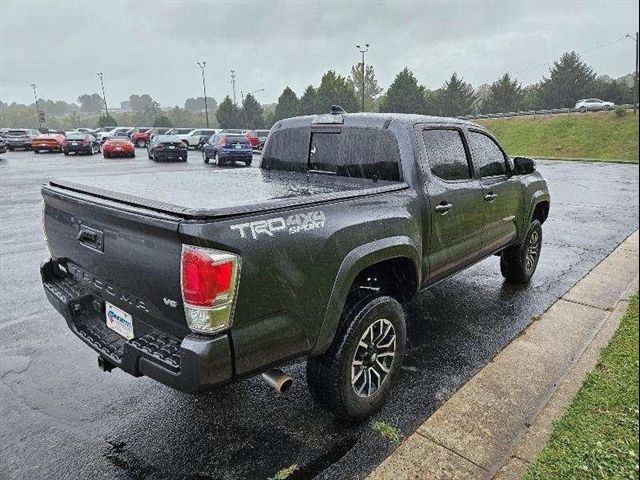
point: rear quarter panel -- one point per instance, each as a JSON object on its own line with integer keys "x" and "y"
{"x": 287, "y": 276}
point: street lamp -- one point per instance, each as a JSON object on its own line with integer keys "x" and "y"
{"x": 635, "y": 79}
{"x": 233, "y": 84}
{"x": 35, "y": 96}
{"x": 104, "y": 97}
{"x": 204, "y": 88}
{"x": 363, "y": 51}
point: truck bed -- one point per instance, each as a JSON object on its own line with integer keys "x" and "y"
{"x": 203, "y": 194}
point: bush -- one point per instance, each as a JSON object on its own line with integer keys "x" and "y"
{"x": 107, "y": 121}
{"x": 162, "y": 121}
{"x": 620, "y": 112}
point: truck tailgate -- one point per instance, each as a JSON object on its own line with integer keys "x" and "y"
{"x": 128, "y": 256}
{"x": 206, "y": 194}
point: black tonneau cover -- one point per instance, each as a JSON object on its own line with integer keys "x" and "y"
{"x": 199, "y": 194}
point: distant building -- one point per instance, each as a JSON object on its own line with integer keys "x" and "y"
{"x": 125, "y": 106}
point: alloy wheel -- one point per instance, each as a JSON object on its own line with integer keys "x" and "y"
{"x": 373, "y": 358}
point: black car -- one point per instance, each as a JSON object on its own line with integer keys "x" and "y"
{"x": 77, "y": 142}
{"x": 162, "y": 148}
{"x": 3, "y": 145}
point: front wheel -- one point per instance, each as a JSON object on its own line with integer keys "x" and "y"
{"x": 519, "y": 262}
{"x": 352, "y": 378}
{"x": 205, "y": 158}
{"x": 248, "y": 162}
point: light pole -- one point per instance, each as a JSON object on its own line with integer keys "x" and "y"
{"x": 635, "y": 78}
{"x": 35, "y": 96}
{"x": 104, "y": 97}
{"x": 246, "y": 119}
{"x": 363, "y": 51}
{"x": 233, "y": 84}
{"x": 204, "y": 88}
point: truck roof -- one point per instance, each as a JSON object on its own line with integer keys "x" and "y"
{"x": 371, "y": 120}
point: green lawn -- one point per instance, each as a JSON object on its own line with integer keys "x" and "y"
{"x": 598, "y": 136}
{"x": 598, "y": 435}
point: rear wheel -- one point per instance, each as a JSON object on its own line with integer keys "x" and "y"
{"x": 352, "y": 378}
{"x": 248, "y": 162}
{"x": 519, "y": 263}
{"x": 66, "y": 153}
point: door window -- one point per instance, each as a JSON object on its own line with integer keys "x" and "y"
{"x": 446, "y": 154}
{"x": 487, "y": 155}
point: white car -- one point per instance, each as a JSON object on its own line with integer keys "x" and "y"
{"x": 593, "y": 104}
{"x": 194, "y": 137}
{"x": 118, "y": 131}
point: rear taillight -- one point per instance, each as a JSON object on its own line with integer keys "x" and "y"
{"x": 209, "y": 281}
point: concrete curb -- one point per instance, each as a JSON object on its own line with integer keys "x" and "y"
{"x": 496, "y": 424}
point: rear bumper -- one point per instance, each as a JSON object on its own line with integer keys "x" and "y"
{"x": 170, "y": 154}
{"x": 191, "y": 364}
{"x": 78, "y": 149}
{"x": 231, "y": 155}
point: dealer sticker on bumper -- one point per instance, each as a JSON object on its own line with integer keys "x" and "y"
{"x": 119, "y": 321}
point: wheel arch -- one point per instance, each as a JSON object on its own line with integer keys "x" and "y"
{"x": 389, "y": 257}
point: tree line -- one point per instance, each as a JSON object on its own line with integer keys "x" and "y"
{"x": 568, "y": 80}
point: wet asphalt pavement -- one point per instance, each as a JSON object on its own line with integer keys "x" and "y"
{"x": 60, "y": 417}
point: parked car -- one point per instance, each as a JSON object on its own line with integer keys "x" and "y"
{"x": 162, "y": 148}
{"x": 47, "y": 142}
{"x": 79, "y": 142}
{"x": 3, "y": 145}
{"x": 20, "y": 138}
{"x": 179, "y": 131}
{"x": 141, "y": 139}
{"x": 234, "y": 131}
{"x": 194, "y": 139}
{"x": 312, "y": 256}
{"x": 253, "y": 138}
{"x": 262, "y": 137}
{"x": 225, "y": 148}
{"x": 118, "y": 147}
{"x": 593, "y": 104}
{"x": 115, "y": 132}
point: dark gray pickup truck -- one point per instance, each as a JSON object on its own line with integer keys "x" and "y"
{"x": 201, "y": 278}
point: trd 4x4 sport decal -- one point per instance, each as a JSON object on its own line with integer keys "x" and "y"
{"x": 292, "y": 224}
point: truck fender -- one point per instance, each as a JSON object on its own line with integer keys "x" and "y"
{"x": 356, "y": 261}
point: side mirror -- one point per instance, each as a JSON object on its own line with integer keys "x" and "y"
{"x": 523, "y": 165}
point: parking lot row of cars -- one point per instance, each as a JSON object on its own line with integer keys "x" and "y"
{"x": 162, "y": 144}
{"x": 33, "y": 139}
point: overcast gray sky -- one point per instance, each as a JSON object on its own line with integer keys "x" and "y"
{"x": 152, "y": 47}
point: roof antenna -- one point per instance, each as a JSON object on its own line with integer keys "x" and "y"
{"x": 337, "y": 110}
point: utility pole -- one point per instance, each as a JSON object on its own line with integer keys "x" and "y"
{"x": 104, "y": 97}
{"x": 204, "y": 88}
{"x": 363, "y": 51}
{"x": 233, "y": 84}
{"x": 35, "y": 96}
{"x": 635, "y": 77}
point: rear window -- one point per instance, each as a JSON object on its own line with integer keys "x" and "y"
{"x": 77, "y": 136}
{"x": 237, "y": 139}
{"x": 17, "y": 132}
{"x": 346, "y": 151}
{"x": 166, "y": 138}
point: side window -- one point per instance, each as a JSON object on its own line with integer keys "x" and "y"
{"x": 487, "y": 156}
{"x": 446, "y": 155}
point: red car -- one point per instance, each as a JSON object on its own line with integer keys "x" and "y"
{"x": 141, "y": 139}
{"x": 254, "y": 141}
{"x": 118, "y": 147}
{"x": 49, "y": 142}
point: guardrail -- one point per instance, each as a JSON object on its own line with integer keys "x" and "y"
{"x": 533, "y": 113}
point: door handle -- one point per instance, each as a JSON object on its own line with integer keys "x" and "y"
{"x": 490, "y": 197}
{"x": 443, "y": 208}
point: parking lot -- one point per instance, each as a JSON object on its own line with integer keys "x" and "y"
{"x": 63, "y": 418}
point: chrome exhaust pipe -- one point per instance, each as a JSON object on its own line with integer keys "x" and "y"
{"x": 278, "y": 380}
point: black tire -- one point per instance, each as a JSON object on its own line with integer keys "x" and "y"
{"x": 519, "y": 262}
{"x": 329, "y": 375}
{"x": 10, "y": 149}
{"x": 105, "y": 155}
{"x": 66, "y": 153}
{"x": 205, "y": 158}
{"x": 248, "y": 162}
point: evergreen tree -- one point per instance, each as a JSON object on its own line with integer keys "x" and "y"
{"x": 334, "y": 90}
{"x": 505, "y": 95}
{"x": 371, "y": 87}
{"x": 107, "y": 121}
{"x": 251, "y": 113}
{"x": 570, "y": 79}
{"x": 162, "y": 121}
{"x": 404, "y": 95}
{"x": 228, "y": 114}
{"x": 455, "y": 98}
{"x": 288, "y": 105}
{"x": 309, "y": 101}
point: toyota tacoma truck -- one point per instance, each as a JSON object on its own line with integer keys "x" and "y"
{"x": 200, "y": 279}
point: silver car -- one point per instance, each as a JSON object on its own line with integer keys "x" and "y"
{"x": 593, "y": 104}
